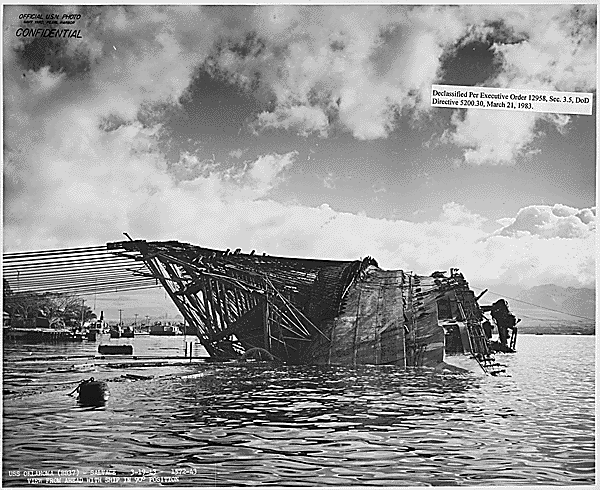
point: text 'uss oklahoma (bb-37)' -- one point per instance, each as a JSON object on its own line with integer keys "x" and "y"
{"x": 461, "y": 97}
{"x": 75, "y": 476}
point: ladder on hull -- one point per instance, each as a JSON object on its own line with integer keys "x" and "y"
{"x": 479, "y": 344}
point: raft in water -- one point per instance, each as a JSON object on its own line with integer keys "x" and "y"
{"x": 115, "y": 349}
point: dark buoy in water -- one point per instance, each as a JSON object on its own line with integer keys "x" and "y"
{"x": 92, "y": 393}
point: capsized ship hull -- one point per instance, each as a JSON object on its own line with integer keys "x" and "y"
{"x": 390, "y": 317}
{"x": 310, "y": 311}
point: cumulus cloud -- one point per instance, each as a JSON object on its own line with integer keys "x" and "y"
{"x": 454, "y": 240}
{"x": 557, "y": 49}
{"x": 558, "y": 221}
{"x": 550, "y": 48}
{"x": 329, "y": 181}
{"x": 82, "y": 169}
{"x": 302, "y": 119}
{"x": 358, "y": 68}
{"x": 236, "y": 153}
{"x": 458, "y": 215}
{"x": 43, "y": 80}
{"x": 83, "y": 163}
{"x": 258, "y": 177}
{"x": 355, "y": 67}
{"x": 190, "y": 167}
{"x": 494, "y": 137}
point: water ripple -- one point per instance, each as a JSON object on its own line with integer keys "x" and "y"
{"x": 292, "y": 426}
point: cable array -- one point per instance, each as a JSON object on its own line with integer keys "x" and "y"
{"x": 96, "y": 270}
{"x": 87, "y": 270}
{"x": 537, "y": 306}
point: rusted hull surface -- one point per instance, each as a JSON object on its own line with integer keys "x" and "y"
{"x": 425, "y": 339}
{"x": 369, "y": 327}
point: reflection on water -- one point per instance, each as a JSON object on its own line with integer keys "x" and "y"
{"x": 255, "y": 425}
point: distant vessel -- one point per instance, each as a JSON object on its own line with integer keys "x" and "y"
{"x": 127, "y": 332}
{"x": 96, "y": 327}
{"x": 115, "y": 331}
{"x": 161, "y": 329}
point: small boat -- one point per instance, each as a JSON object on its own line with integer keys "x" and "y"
{"x": 127, "y": 333}
{"x": 115, "y": 332}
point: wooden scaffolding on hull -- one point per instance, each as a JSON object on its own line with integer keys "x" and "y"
{"x": 236, "y": 302}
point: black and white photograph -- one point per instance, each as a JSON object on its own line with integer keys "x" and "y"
{"x": 299, "y": 245}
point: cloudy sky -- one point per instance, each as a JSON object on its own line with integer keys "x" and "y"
{"x": 307, "y": 131}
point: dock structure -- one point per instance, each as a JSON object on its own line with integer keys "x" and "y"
{"x": 311, "y": 311}
{"x": 48, "y": 335}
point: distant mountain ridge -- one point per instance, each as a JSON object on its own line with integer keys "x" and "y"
{"x": 576, "y": 301}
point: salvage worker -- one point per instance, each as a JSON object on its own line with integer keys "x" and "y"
{"x": 502, "y": 333}
{"x": 487, "y": 328}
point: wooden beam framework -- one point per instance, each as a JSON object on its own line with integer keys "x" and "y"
{"x": 236, "y": 302}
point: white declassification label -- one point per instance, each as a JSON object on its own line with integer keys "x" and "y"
{"x": 509, "y": 99}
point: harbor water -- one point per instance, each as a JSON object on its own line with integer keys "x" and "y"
{"x": 230, "y": 425}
